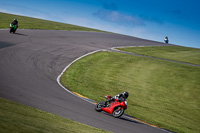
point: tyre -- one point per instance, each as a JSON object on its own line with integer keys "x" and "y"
{"x": 99, "y": 106}
{"x": 14, "y": 30}
{"x": 10, "y": 30}
{"x": 118, "y": 112}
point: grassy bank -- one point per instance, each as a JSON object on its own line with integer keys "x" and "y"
{"x": 34, "y": 23}
{"x": 183, "y": 54}
{"x": 162, "y": 93}
{"x": 18, "y": 118}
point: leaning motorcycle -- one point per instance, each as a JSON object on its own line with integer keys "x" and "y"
{"x": 116, "y": 108}
{"x": 13, "y": 28}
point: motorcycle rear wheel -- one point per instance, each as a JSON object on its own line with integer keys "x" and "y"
{"x": 99, "y": 106}
{"x": 117, "y": 113}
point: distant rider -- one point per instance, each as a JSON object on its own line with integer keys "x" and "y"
{"x": 166, "y": 39}
{"x": 15, "y": 22}
{"x": 120, "y": 97}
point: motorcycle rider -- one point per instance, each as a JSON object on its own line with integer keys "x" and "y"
{"x": 120, "y": 97}
{"x": 15, "y": 22}
{"x": 166, "y": 39}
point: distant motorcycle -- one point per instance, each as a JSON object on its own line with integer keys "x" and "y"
{"x": 166, "y": 39}
{"x": 116, "y": 108}
{"x": 13, "y": 28}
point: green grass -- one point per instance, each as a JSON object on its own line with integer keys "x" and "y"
{"x": 178, "y": 53}
{"x": 34, "y": 23}
{"x": 18, "y": 118}
{"x": 161, "y": 93}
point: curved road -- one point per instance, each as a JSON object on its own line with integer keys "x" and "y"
{"x": 31, "y": 60}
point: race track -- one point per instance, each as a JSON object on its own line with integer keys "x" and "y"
{"x": 31, "y": 60}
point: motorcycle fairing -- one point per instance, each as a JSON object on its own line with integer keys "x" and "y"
{"x": 113, "y": 105}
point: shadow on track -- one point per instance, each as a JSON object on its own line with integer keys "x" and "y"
{"x": 5, "y": 44}
{"x": 129, "y": 120}
{"x": 124, "y": 118}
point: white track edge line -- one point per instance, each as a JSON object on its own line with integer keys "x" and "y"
{"x": 58, "y": 78}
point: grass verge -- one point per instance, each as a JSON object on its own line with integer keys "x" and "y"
{"x": 34, "y": 23}
{"x": 178, "y": 53}
{"x": 18, "y": 118}
{"x": 161, "y": 93}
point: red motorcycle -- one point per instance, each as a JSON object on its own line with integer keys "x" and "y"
{"x": 116, "y": 108}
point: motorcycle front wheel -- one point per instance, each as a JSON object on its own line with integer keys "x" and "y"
{"x": 99, "y": 106}
{"x": 118, "y": 112}
{"x": 10, "y": 30}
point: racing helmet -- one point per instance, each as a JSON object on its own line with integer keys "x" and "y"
{"x": 15, "y": 19}
{"x": 125, "y": 94}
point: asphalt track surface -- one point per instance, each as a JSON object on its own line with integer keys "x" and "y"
{"x": 31, "y": 61}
